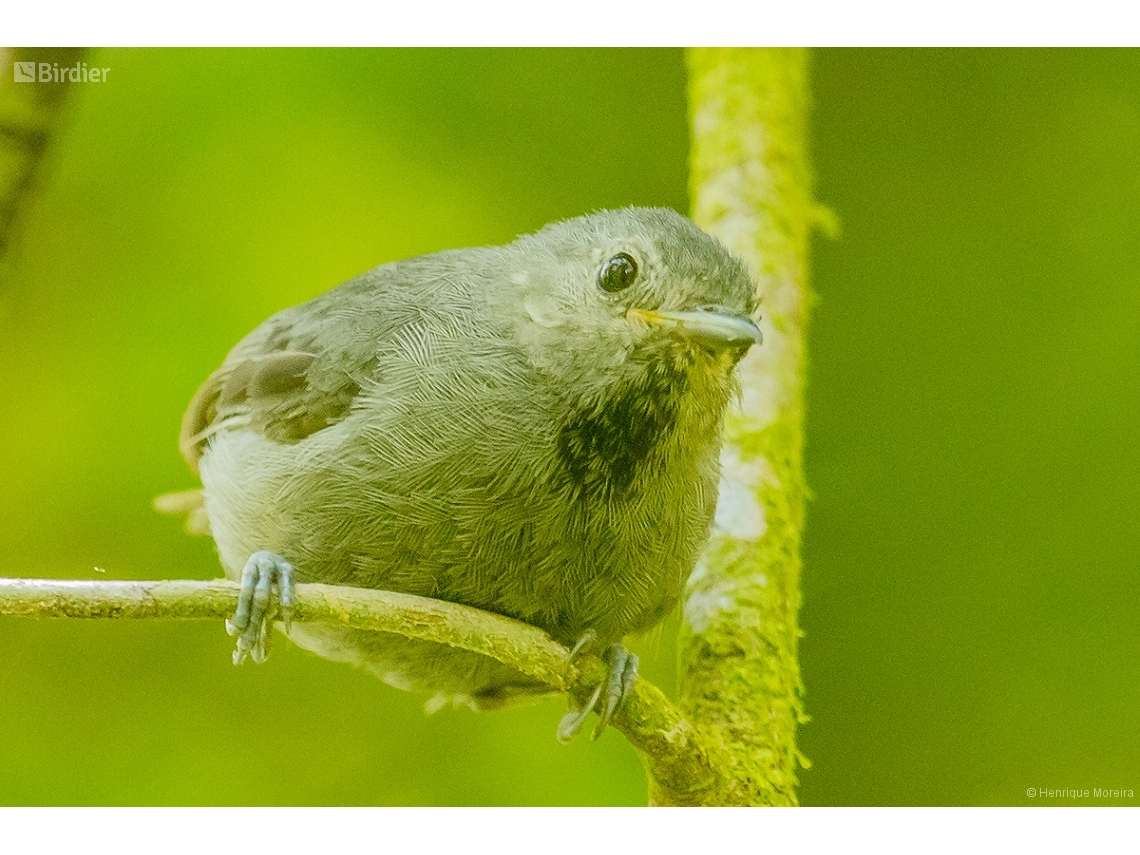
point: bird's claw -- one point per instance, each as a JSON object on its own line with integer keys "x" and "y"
{"x": 619, "y": 683}
{"x": 621, "y": 672}
{"x": 264, "y": 573}
{"x": 588, "y": 638}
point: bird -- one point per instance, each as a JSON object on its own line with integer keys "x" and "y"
{"x": 531, "y": 429}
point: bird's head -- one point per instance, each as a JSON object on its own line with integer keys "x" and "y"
{"x": 602, "y": 298}
{"x": 639, "y": 317}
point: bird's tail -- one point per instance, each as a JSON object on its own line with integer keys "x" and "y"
{"x": 189, "y": 502}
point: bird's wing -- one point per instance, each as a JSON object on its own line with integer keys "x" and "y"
{"x": 302, "y": 369}
{"x": 281, "y": 381}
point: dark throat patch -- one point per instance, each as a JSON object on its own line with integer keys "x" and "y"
{"x": 603, "y": 446}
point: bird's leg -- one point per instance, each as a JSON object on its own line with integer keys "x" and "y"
{"x": 574, "y": 719}
{"x": 621, "y": 672}
{"x": 588, "y": 638}
{"x": 619, "y": 682}
{"x": 263, "y": 573}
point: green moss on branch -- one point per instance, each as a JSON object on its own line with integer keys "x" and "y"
{"x": 648, "y": 720}
{"x": 751, "y": 188}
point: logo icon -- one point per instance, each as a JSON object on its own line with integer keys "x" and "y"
{"x": 24, "y": 72}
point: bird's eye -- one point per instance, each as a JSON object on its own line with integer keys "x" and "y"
{"x": 618, "y": 273}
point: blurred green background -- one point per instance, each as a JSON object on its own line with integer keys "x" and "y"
{"x": 971, "y": 585}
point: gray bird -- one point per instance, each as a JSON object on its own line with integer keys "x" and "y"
{"x": 531, "y": 429}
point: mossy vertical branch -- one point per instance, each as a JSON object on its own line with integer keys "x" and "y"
{"x": 751, "y": 188}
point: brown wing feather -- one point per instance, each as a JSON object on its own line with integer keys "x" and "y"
{"x": 271, "y": 393}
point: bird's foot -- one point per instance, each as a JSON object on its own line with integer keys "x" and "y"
{"x": 263, "y": 574}
{"x": 612, "y": 691}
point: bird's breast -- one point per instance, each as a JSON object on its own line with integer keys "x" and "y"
{"x": 603, "y": 445}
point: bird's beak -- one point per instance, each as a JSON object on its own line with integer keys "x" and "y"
{"x": 714, "y": 326}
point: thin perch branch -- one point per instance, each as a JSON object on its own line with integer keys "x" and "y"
{"x": 647, "y": 719}
{"x": 523, "y": 647}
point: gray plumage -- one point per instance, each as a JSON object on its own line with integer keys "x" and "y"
{"x": 485, "y": 426}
